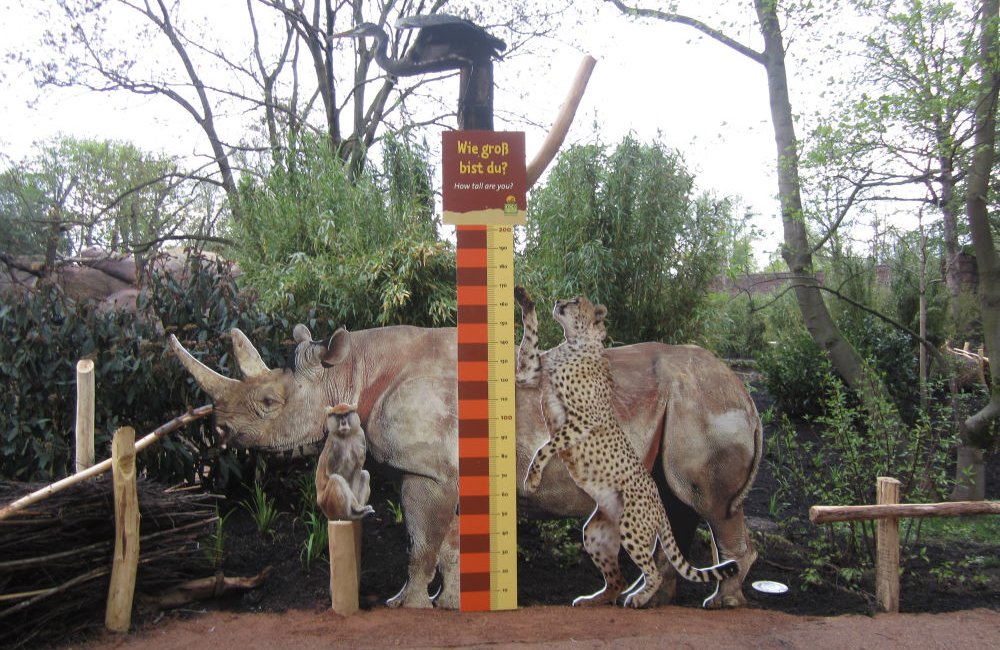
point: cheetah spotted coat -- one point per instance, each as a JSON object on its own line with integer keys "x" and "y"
{"x": 576, "y": 385}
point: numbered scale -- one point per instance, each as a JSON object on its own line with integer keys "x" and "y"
{"x": 486, "y": 443}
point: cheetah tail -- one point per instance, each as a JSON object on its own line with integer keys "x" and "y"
{"x": 718, "y": 572}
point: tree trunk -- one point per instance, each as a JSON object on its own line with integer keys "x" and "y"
{"x": 796, "y": 250}
{"x": 976, "y": 430}
{"x": 949, "y": 222}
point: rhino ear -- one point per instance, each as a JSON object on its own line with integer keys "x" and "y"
{"x": 301, "y": 334}
{"x": 247, "y": 357}
{"x": 338, "y": 349}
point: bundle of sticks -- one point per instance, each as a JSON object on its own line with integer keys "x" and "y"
{"x": 55, "y": 556}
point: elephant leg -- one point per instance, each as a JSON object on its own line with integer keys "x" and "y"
{"x": 428, "y": 508}
{"x": 731, "y": 541}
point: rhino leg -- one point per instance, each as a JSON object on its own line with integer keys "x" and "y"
{"x": 450, "y": 595}
{"x": 731, "y": 540}
{"x": 429, "y": 508}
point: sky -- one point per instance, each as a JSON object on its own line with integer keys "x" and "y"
{"x": 655, "y": 80}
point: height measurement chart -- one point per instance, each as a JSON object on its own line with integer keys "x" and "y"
{"x": 484, "y": 198}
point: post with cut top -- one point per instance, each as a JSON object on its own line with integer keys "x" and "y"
{"x": 887, "y": 549}
{"x": 84, "y": 414}
{"x": 125, "y": 561}
{"x": 345, "y": 565}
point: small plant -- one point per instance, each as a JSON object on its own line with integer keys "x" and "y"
{"x": 307, "y": 494}
{"x": 317, "y": 539}
{"x": 561, "y": 540}
{"x": 261, "y": 508}
{"x": 215, "y": 544}
{"x": 396, "y": 509}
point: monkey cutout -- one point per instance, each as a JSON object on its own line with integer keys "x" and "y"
{"x": 342, "y": 486}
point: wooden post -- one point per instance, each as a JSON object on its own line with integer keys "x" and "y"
{"x": 345, "y": 565}
{"x": 887, "y": 549}
{"x": 118, "y": 614}
{"x": 84, "y": 414}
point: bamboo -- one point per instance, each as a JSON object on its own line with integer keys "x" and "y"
{"x": 85, "y": 390}
{"x": 344, "y": 566}
{"x": 557, "y": 134}
{"x": 828, "y": 514}
{"x": 125, "y": 562}
{"x": 887, "y": 549}
{"x": 105, "y": 465}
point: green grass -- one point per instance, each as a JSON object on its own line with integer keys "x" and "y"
{"x": 984, "y": 529}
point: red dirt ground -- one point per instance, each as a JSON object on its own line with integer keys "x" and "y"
{"x": 560, "y": 627}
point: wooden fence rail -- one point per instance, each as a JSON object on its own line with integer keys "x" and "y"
{"x": 104, "y": 465}
{"x": 888, "y": 512}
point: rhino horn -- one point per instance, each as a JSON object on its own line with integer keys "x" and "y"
{"x": 210, "y": 381}
{"x": 247, "y": 357}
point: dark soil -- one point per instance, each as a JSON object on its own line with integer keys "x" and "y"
{"x": 552, "y": 569}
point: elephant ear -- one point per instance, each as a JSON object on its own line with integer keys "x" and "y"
{"x": 337, "y": 349}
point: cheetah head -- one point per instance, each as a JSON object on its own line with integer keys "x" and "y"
{"x": 580, "y": 319}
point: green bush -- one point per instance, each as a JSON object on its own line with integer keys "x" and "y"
{"x": 838, "y": 466}
{"x": 139, "y": 383}
{"x": 795, "y": 372}
{"x": 731, "y": 329}
{"x": 624, "y": 228}
{"x": 360, "y": 249}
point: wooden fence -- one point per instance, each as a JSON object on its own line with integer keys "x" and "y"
{"x": 344, "y": 536}
{"x": 887, "y": 513}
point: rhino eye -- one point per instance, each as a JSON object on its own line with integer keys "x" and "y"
{"x": 269, "y": 403}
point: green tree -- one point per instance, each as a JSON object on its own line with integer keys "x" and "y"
{"x": 74, "y": 194}
{"x": 907, "y": 138}
{"x": 625, "y": 228}
{"x": 798, "y": 250}
{"x": 362, "y": 250}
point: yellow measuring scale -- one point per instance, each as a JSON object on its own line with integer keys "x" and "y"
{"x": 487, "y": 470}
{"x": 503, "y": 446}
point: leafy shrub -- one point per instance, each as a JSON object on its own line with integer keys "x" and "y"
{"x": 358, "y": 248}
{"x": 889, "y": 349}
{"x": 624, "y": 228}
{"x": 139, "y": 383}
{"x": 853, "y": 447}
{"x": 731, "y": 329}
{"x": 795, "y": 371}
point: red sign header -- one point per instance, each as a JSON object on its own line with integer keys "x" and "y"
{"x": 483, "y": 177}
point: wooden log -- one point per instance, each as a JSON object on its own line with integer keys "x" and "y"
{"x": 557, "y": 134}
{"x": 125, "y": 561}
{"x": 105, "y": 465}
{"x": 828, "y": 514}
{"x": 85, "y": 390}
{"x": 202, "y": 588}
{"x": 344, "y": 566}
{"x": 887, "y": 549}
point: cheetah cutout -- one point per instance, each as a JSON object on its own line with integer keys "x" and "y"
{"x": 576, "y": 385}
